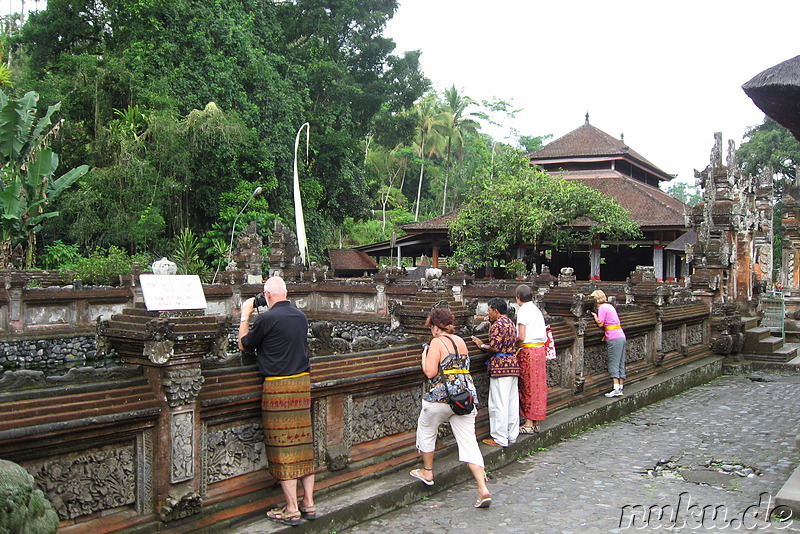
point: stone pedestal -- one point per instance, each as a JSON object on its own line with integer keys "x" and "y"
{"x": 170, "y": 347}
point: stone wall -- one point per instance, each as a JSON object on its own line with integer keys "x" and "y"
{"x": 148, "y": 444}
{"x": 54, "y": 356}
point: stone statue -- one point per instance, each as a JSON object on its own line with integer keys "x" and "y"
{"x": 23, "y": 507}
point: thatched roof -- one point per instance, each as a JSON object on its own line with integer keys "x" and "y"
{"x": 776, "y": 91}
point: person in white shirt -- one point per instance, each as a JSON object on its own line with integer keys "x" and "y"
{"x": 531, "y": 336}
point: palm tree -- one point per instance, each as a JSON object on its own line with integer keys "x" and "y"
{"x": 433, "y": 129}
{"x": 459, "y": 127}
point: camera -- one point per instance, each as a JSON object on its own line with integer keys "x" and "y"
{"x": 259, "y": 300}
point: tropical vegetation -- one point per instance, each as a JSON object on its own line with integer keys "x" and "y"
{"x": 171, "y": 113}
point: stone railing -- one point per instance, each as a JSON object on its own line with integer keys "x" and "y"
{"x": 155, "y": 440}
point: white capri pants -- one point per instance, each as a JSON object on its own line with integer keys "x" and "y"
{"x": 433, "y": 414}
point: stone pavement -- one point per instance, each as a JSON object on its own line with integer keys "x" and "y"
{"x": 725, "y": 446}
{"x": 729, "y": 444}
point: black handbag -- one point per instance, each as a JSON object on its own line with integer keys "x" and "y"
{"x": 462, "y": 402}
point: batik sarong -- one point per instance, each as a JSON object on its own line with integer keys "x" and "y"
{"x": 286, "y": 416}
{"x": 532, "y": 383}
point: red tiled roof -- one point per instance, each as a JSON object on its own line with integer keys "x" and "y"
{"x": 649, "y": 206}
{"x": 590, "y": 142}
{"x": 348, "y": 259}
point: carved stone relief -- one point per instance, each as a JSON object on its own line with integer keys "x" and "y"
{"x": 385, "y": 414}
{"x": 144, "y": 473}
{"x": 88, "y": 482}
{"x": 694, "y": 334}
{"x": 233, "y": 451}
{"x": 595, "y": 359}
{"x": 178, "y": 508}
{"x": 159, "y": 352}
{"x": 671, "y": 340}
{"x": 182, "y": 437}
{"x": 482, "y": 388}
{"x": 182, "y": 386}
{"x": 636, "y": 349}
{"x": 319, "y": 417}
{"x": 553, "y": 373}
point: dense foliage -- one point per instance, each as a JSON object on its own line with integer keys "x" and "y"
{"x": 175, "y": 103}
{"x": 519, "y": 204}
{"x": 183, "y": 108}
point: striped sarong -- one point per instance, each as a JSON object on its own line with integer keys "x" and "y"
{"x": 286, "y": 416}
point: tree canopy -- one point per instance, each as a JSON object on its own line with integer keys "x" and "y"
{"x": 518, "y": 204}
{"x": 267, "y": 67}
{"x": 770, "y": 145}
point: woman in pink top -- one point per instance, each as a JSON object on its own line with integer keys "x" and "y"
{"x": 607, "y": 319}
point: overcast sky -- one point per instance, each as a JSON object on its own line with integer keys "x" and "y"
{"x": 667, "y": 75}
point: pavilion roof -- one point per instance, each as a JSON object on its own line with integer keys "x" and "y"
{"x": 349, "y": 259}
{"x": 442, "y": 222}
{"x": 649, "y": 206}
{"x": 588, "y": 143}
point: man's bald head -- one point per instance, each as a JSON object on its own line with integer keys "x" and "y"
{"x": 274, "y": 289}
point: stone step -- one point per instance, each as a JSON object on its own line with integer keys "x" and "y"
{"x": 765, "y": 345}
{"x": 759, "y": 332}
{"x": 750, "y": 322}
{"x": 783, "y": 355}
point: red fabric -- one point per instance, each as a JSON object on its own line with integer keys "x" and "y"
{"x": 532, "y": 383}
{"x": 550, "y": 345}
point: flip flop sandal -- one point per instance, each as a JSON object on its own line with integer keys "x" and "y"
{"x": 416, "y": 474}
{"x": 528, "y": 430}
{"x": 282, "y": 516}
{"x": 483, "y": 503}
{"x": 308, "y": 512}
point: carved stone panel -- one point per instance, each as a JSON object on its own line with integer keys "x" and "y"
{"x": 182, "y": 385}
{"x": 182, "y": 438}
{"x": 319, "y": 416}
{"x": 330, "y": 303}
{"x": 144, "y": 473}
{"x": 363, "y": 305}
{"x": 671, "y": 340}
{"x": 88, "y": 482}
{"x": 233, "y": 451}
{"x": 694, "y": 334}
{"x": 636, "y": 349}
{"x": 482, "y": 388}
{"x": 595, "y": 359}
{"x": 553, "y": 373}
{"x": 385, "y": 414}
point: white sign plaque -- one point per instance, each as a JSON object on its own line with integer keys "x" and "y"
{"x": 172, "y": 292}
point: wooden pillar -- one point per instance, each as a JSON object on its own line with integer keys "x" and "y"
{"x": 670, "y": 267}
{"x": 658, "y": 262}
{"x": 594, "y": 262}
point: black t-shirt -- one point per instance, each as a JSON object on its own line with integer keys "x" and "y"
{"x": 280, "y": 339}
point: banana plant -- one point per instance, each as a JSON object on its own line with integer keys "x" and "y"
{"x": 27, "y": 183}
